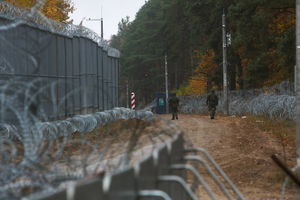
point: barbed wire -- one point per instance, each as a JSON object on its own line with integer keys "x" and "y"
{"x": 35, "y": 18}
{"x": 274, "y": 102}
{"x": 38, "y": 154}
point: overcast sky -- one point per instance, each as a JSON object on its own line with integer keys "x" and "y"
{"x": 113, "y": 12}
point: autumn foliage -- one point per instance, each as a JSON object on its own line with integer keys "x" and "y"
{"x": 57, "y": 10}
{"x": 201, "y": 81}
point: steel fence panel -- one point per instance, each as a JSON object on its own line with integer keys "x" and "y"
{"x": 117, "y": 82}
{"x": 163, "y": 168}
{"x": 105, "y": 80}
{"x": 70, "y": 98}
{"x": 89, "y": 190}
{"x": 10, "y": 67}
{"x": 53, "y": 73}
{"x": 177, "y": 150}
{"x": 44, "y": 63}
{"x": 110, "y": 82}
{"x": 31, "y": 49}
{"x": 113, "y": 77}
{"x": 76, "y": 75}
{"x": 77, "y": 70}
{"x": 176, "y": 157}
{"x": 61, "y": 66}
{"x": 83, "y": 74}
{"x": 123, "y": 186}
{"x": 13, "y": 48}
{"x": 100, "y": 79}
{"x": 88, "y": 55}
{"x": 147, "y": 175}
{"x": 93, "y": 75}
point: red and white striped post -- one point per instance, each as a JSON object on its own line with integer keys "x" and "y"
{"x": 132, "y": 101}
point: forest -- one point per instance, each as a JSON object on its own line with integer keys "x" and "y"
{"x": 262, "y": 51}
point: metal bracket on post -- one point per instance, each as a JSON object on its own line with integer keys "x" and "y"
{"x": 154, "y": 193}
{"x": 198, "y": 176}
{"x": 218, "y": 168}
{"x": 211, "y": 173}
{"x": 180, "y": 181}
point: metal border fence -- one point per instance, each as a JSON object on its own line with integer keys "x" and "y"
{"x": 162, "y": 175}
{"x": 80, "y": 70}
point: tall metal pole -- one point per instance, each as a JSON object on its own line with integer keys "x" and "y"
{"x": 127, "y": 95}
{"x": 102, "y": 31}
{"x": 166, "y": 80}
{"x": 225, "y": 82}
{"x": 101, "y": 21}
{"x": 102, "y": 28}
{"x": 298, "y": 82}
{"x": 295, "y": 79}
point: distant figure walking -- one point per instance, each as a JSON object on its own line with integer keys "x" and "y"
{"x": 212, "y": 102}
{"x": 173, "y": 105}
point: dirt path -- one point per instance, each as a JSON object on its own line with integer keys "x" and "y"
{"x": 243, "y": 151}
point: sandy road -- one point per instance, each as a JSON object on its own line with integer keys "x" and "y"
{"x": 243, "y": 151}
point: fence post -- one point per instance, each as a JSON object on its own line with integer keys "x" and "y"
{"x": 297, "y": 75}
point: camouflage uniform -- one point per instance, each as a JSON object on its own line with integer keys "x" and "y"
{"x": 212, "y": 102}
{"x": 173, "y": 105}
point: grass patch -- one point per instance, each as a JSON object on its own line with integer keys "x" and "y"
{"x": 284, "y": 130}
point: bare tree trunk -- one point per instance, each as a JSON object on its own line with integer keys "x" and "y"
{"x": 298, "y": 78}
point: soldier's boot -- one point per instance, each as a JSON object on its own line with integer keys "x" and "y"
{"x": 213, "y": 114}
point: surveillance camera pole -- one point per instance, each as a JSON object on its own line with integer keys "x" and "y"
{"x": 98, "y": 20}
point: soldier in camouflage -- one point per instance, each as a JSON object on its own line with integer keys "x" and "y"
{"x": 212, "y": 102}
{"x": 173, "y": 105}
